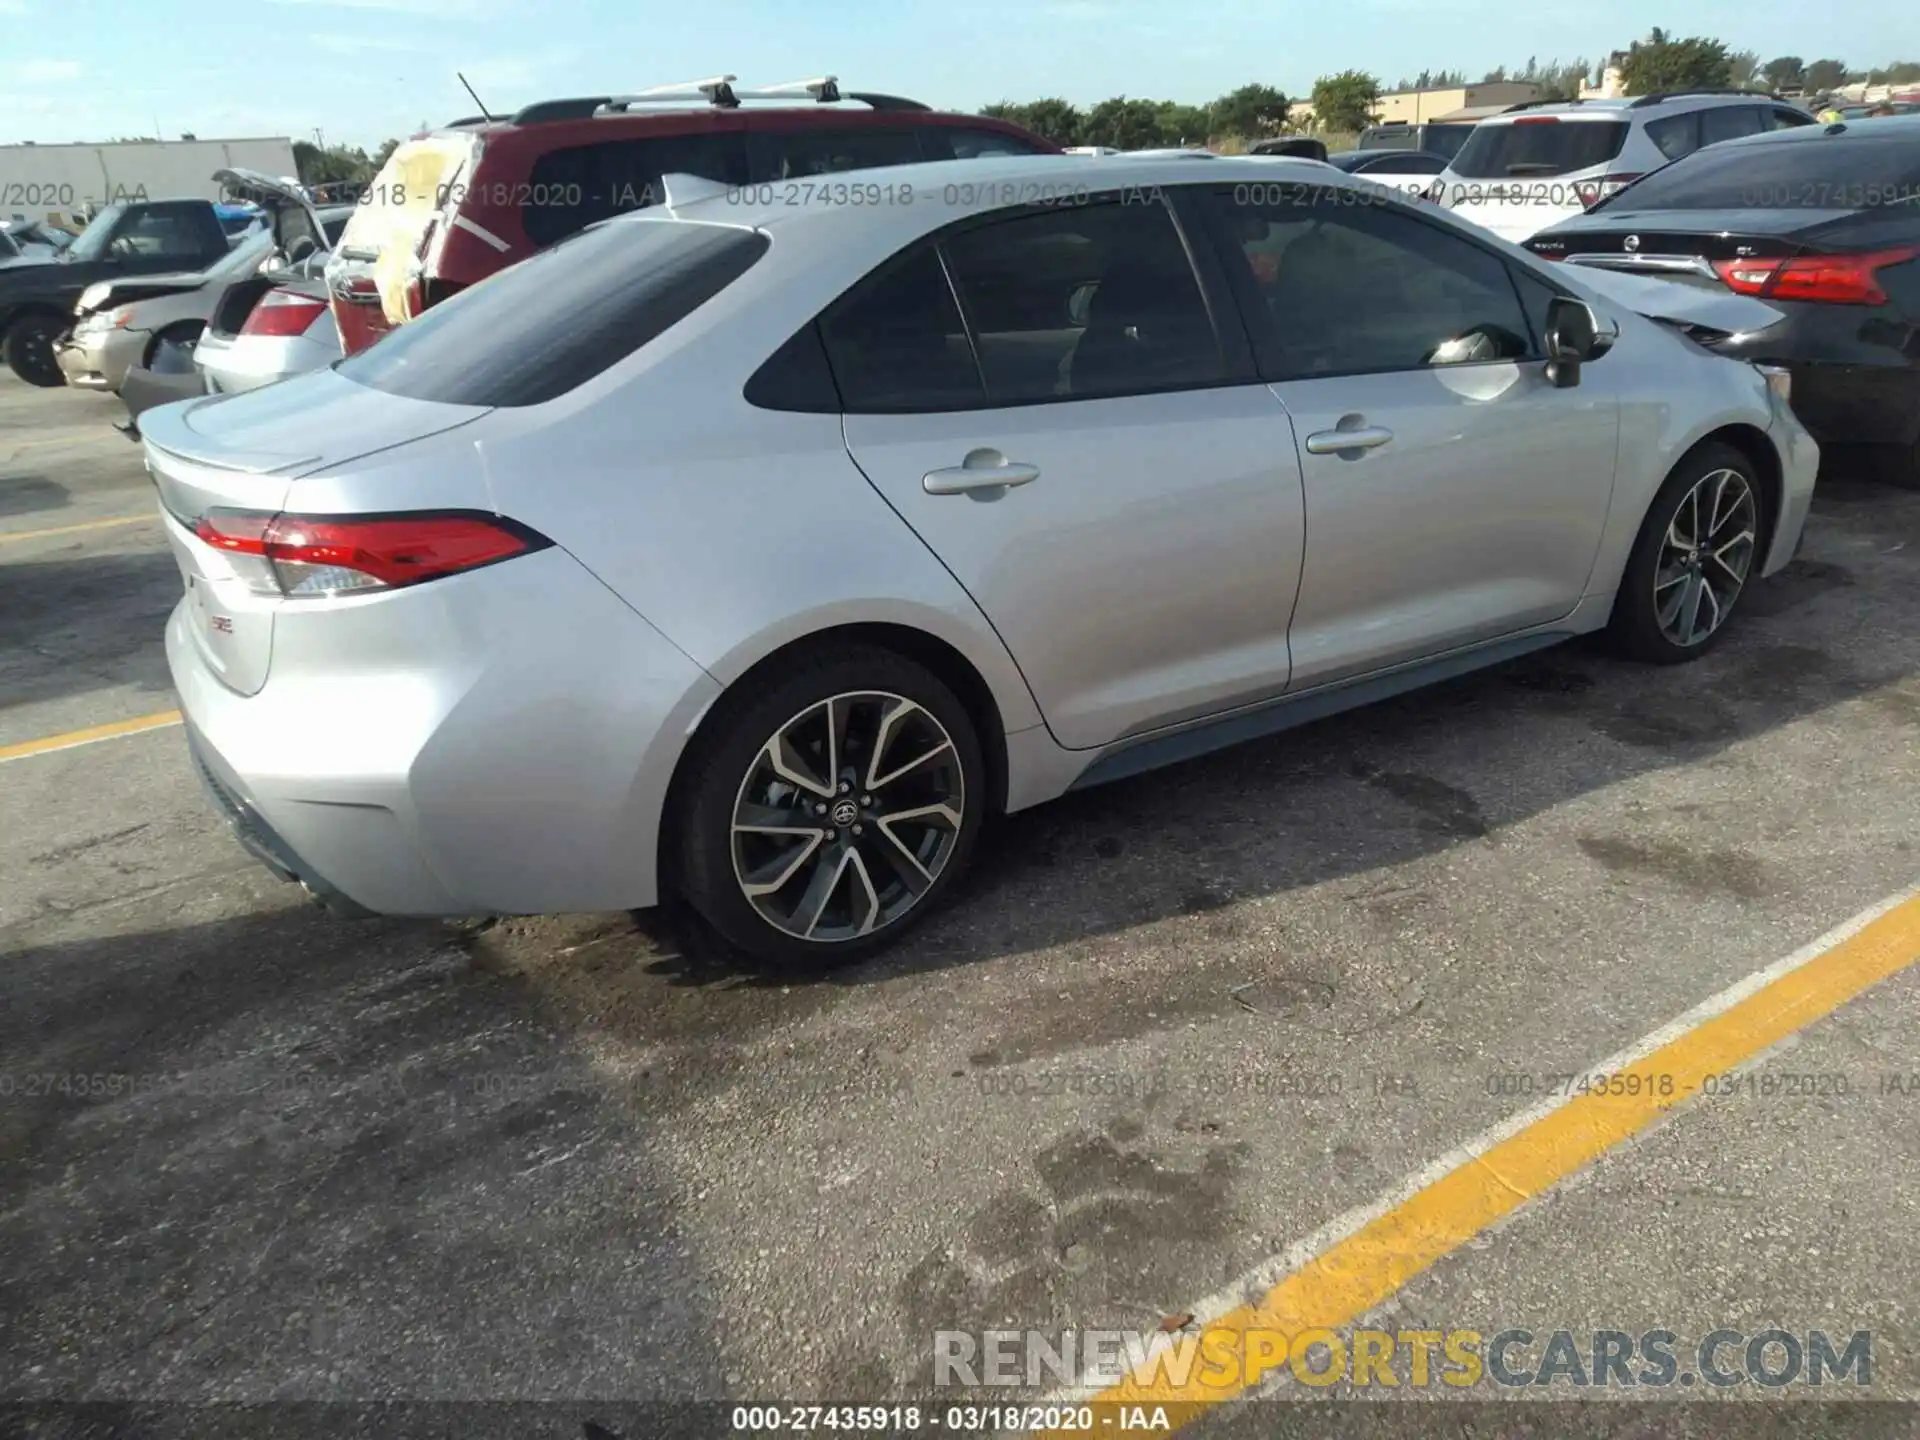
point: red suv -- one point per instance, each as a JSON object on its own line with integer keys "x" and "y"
{"x": 453, "y": 205}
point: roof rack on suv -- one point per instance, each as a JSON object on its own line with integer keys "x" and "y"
{"x": 1658, "y": 96}
{"x": 718, "y": 92}
{"x": 1536, "y": 104}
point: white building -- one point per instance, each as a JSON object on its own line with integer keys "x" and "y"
{"x": 57, "y": 182}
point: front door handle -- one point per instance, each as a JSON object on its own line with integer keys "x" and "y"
{"x": 983, "y": 469}
{"x": 1333, "y": 442}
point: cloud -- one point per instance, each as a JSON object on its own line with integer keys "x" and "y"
{"x": 42, "y": 72}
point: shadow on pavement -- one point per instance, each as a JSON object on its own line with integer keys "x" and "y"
{"x": 275, "y": 1158}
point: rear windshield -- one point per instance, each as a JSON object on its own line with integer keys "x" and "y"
{"x": 1830, "y": 173}
{"x": 1538, "y": 147}
{"x": 537, "y": 329}
{"x": 1446, "y": 139}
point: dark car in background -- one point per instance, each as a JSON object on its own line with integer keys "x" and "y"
{"x": 1820, "y": 222}
{"x": 452, "y": 206}
{"x": 1410, "y": 172}
{"x": 124, "y": 241}
{"x": 1435, "y": 137}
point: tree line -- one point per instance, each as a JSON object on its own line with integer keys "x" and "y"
{"x": 1349, "y": 101}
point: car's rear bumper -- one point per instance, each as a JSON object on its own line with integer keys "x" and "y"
{"x": 495, "y": 743}
{"x": 144, "y": 389}
{"x": 260, "y": 840}
{"x": 236, "y": 363}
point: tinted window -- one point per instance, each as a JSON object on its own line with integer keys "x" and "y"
{"x": 1369, "y": 288}
{"x": 170, "y": 234}
{"x": 1446, "y": 139}
{"x": 940, "y": 142}
{"x": 1538, "y": 147}
{"x": 1387, "y": 137}
{"x": 1729, "y": 122}
{"x": 567, "y": 190}
{"x": 333, "y": 225}
{"x": 1084, "y": 300}
{"x": 1783, "y": 119}
{"x": 896, "y": 343}
{"x": 1411, "y": 164}
{"x": 561, "y": 316}
{"x": 793, "y": 154}
{"x": 1815, "y": 172}
{"x": 1675, "y": 135}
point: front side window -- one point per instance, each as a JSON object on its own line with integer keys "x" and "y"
{"x": 1366, "y": 289}
{"x": 170, "y": 234}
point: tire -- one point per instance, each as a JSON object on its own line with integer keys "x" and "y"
{"x": 928, "y": 767}
{"x": 29, "y": 348}
{"x": 1667, "y": 570}
{"x": 185, "y": 334}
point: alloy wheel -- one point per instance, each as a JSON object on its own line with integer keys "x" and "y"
{"x": 847, "y": 816}
{"x": 1705, "y": 557}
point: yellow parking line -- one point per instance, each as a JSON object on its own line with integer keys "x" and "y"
{"x": 88, "y": 736}
{"x": 1488, "y": 1180}
{"x": 8, "y": 536}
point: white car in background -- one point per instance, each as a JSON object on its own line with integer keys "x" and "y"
{"x": 1542, "y": 162}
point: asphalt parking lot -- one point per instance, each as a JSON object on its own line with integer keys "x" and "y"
{"x": 1173, "y": 1030}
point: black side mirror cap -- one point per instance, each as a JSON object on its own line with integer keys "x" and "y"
{"x": 1572, "y": 338}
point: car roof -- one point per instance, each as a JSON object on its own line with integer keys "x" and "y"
{"x": 951, "y": 189}
{"x": 1883, "y": 127}
{"x": 1615, "y": 107}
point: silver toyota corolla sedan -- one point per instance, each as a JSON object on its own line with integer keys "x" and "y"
{"x": 761, "y": 544}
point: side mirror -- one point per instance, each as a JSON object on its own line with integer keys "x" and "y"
{"x": 1573, "y": 338}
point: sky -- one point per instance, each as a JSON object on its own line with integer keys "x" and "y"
{"x": 359, "y": 71}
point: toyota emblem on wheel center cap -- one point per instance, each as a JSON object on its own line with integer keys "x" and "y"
{"x": 845, "y": 813}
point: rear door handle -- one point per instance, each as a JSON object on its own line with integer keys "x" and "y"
{"x": 1333, "y": 442}
{"x": 983, "y": 469}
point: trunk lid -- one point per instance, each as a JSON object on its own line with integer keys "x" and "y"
{"x": 1715, "y": 311}
{"x": 244, "y": 452}
{"x": 1683, "y": 245}
{"x": 383, "y": 251}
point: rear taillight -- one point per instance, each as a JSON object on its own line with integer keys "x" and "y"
{"x": 1822, "y": 279}
{"x": 357, "y": 290}
{"x": 320, "y": 555}
{"x": 281, "y": 312}
{"x": 1592, "y": 192}
{"x": 1538, "y": 120}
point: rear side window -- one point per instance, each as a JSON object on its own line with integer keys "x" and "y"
{"x": 1524, "y": 148}
{"x": 1781, "y": 118}
{"x": 1084, "y": 301}
{"x": 953, "y": 142}
{"x": 1729, "y": 122}
{"x": 1675, "y": 135}
{"x": 561, "y": 316}
{"x": 568, "y": 190}
{"x": 896, "y": 343}
{"x": 796, "y": 154}
{"x": 1814, "y": 173}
